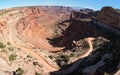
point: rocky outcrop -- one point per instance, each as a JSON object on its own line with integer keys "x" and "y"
{"x": 110, "y": 17}
{"x": 79, "y": 28}
{"x": 53, "y": 28}
{"x": 83, "y": 14}
{"x": 104, "y": 58}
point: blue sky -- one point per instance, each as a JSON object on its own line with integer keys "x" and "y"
{"x": 94, "y": 4}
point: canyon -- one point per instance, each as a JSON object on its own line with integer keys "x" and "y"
{"x": 58, "y": 40}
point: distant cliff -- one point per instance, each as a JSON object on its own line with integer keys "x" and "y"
{"x": 88, "y": 23}
{"x": 110, "y": 17}
{"x": 58, "y": 28}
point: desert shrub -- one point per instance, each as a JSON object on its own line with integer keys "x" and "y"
{"x": 10, "y": 48}
{"x": 72, "y": 55}
{"x": 37, "y": 73}
{"x": 2, "y": 45}
{"x": 35, "y": 63}
{"x": 19, "y": 48}
{"x": 12, "y": 57}
{"x": 8, "y": 43}
{"x": 65, "y": 58}
{"x": 29, "y": 56}
{"x": 85, "y": 45}
{"x": 19, "y": 71}
{"x": 51, "y": 57}
{"x": 4, "y": 51}
{"x": 4, "y": 12}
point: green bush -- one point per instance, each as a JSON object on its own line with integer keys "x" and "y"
{"x": 10, "y": 48}
{"x": 4, "y": 51}
{"x": 8, "y": 43}
{"x": 65, "y": 58}
{"x": 37, "y": 73}
{"x": 29, "y": 56}
{"x": 72, "y": 55}
{"x": 19, "y": 71}
{"x": 2, "y": 45}
{"x": 12, "y": 57}
{"x": 35, "y": 63}
{"x": 51, "y": 57}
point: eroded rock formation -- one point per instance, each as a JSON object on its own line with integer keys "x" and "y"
{"x": 105, "y": 58}
{"x": 34, "y": 25}
{"x": 57, "y": 28}
{"x": 110, "y": 17}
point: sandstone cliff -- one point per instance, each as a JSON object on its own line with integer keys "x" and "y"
{"x": 110, "y": 17}
{"x": 105, "y": 58}
{"x": 33, "y": 24}
{"x": 54, "y": 28}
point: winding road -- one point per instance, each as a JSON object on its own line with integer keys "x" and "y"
{"x": 12, "y": 23}
{"x": 76, "y": 64}
{"x": 50, "y": 68}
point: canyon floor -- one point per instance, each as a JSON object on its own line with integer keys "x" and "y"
{"x": 56, "y": 40}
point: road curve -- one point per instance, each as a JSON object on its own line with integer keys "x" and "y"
{"x": 49, "y": 67}
{"x": 76, "y": 64}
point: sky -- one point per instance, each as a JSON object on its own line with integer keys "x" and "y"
{"x": 93, "y": 4}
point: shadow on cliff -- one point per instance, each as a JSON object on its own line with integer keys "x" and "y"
{"x": 110, "y": 66}
{"x": 80, "y": 29}
{"x": 76, "y": 31}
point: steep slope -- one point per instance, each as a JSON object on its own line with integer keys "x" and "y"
{"x": 63, "y": 41}
{"x": 104, "y": 58}
{"x": 37, "y": 24}
{"x": 112, "y": 19}
{"x": 27, "y": 28}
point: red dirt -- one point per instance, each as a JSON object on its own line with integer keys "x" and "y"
{"x": 38, "y": 24}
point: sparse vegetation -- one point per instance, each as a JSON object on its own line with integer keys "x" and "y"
{"x": 51, "y": 57}
{"x": 10, "y": 48}
{"x": 2, "y": 45}
{"x": 85, "y": 45}
{"x": 37, "y": 73}
{"x": 64, "y": 58}
{"x": 8, "y": 43}
{"x": 12, "y": 57}
{"x": 4, "y": 51}
{"x": 19, "y": 71}
{"x": 72, "y": 55}
{"x": 35, "y": 63}
{"x": 4, "y": 12}
{"x": 106, "y": 73}
{"x": 19, "y": 48}
{"x": 29, "y": 56}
